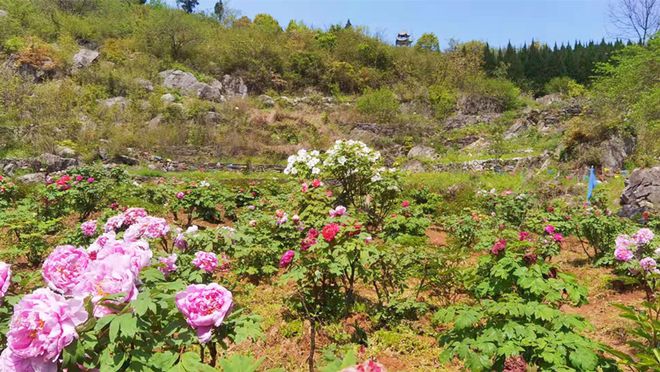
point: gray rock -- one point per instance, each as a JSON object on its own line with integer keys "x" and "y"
{"x": 460, "y": 120}
{"x": 422, "y": 152}
{"x": 65, "y": 152}
{"x": 477, "y": 104}
{"x": 234, "y": 86}
{"x": 125, "y": 159}
{"x": 549, "y": 99}
{"x": 615, "y": 151}
{"x": 156, "y": 121}
{"x": 642, "y": 192}
{"x": 84, "y": 58}
{"x": 144, "y": 84}
{"x": 212, "y": 118}
{"x": 168, "y": 98}
{"x": 121, "y": 103}
{"x": 414, "y": 166}
{"x": 33, "y": 178}
{"x": 9, "y": 168}
{"x": 54, "y": 163}
{"x": 3, "y": 13}
{"x": 188, "y": 84}
{"x": 266, "y": 100}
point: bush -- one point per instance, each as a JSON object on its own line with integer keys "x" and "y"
{"x": 380, "y": 104}
{"x": 565, "y": 86}
{"x": 443, "y": 100}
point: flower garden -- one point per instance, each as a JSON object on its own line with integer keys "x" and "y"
{"x": 339, "y": 265}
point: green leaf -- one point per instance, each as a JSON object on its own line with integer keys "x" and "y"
{"x": 240, "y": 363}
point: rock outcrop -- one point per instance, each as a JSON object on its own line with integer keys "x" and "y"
{"x": 422, "y": 152}
{"x": 84, "y": 58}
{"x": 215, "y": 91}
{"x": 615, "y": 150}
{"x": 642, "y": 192}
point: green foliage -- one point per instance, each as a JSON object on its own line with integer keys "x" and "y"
{"x": 428, "y": 41}
{"x": 646, "y": 329}
{"x": 565, "y": 86}
{"x": 443, "y": 100}
{"x": 380, "y": 104}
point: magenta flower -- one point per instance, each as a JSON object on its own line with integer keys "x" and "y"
{"x": 169, "y": 264}
{"x": 286, "y": 259}
{"x": 43, "y": 324}
{"x": 91, "y": 180}
{"x": 206, "y": 261}
{"x": 309, "y": 240}
{"x": 523, "y": 235}
{"x": 623, "y": 254}
{"x": 180, "y": 195}
{"x": 112, "y": 275}
{"x": 5, "y": 278}
{"x": 204, "y": 306}
{"x": 643, "y": 236}
{"x": 304, "y": 187}
{"x": 558, "y": 237}
{"x": 648, "y": 264}
{"x": 405, "y": 204}
{"x": 79, "y": 178}
{"x": 498, "y": 247}
{"x": 317, "y": 183}
{"x": 88, "y": 228}
{"x": 549, "y": 229}
{"x": 63, "y": 268}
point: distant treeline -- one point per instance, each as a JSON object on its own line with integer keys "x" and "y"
{"x": 533, "y": 65}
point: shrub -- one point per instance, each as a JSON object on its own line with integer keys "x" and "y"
{"x": 380, "y": 104}
{"x": 443, "y": 100}
{"x": 565, "y": 86}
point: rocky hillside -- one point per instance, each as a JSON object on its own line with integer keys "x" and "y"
{"x": 85, "y": 90}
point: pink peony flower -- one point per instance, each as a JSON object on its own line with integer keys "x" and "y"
{"x": 131, "y": 215}
{"x": 149, "y": 227}
{"x": 316, "y": 183}
{"x": 643, "y": 236}
{"x": 405, "y": 204}
{"x": 79, "y": 178}
{"x": 5, "y": 278}
{"x": 206, "y": 261}
{"x": 329, "y": 231}
{"x": 169, "y": 264}
{"x": 498, "y": 247}
{"x": 309, "y": 240}
{"x": 180, "y": 195}
{"x": 224, "y": 264}
{"x": 648, "y": 264}
{"x": 338, "y": 211}
{"x": 367, "y": 366}
{"x": 558, "y": 237}
{"x": 88, "y": 228}
{"x": 91, "y": 180}
{"x": 63, "y": 268}
{"x": 10, "y": 362}
{"x": 549, "y": 229}
{"x": 624, "y": 241}
{"x": 114, "y": 223}
{"x": 523, "y": 235}
{"x": 112, "y": 275}
{"x": 304, "y": 187}
{"x": 623, "y": 254}
{"x": 204, "y": 306}
{"x": 286, "y": 259}
{"x": 43, "y": 324}
{"x": 138, "y": 253}
{"x": 295, "y": 219}
{"x": 282, "y": 217}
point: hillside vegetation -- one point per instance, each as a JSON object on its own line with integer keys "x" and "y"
{"x": 306, "y": 87}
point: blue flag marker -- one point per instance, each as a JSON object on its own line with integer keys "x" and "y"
{"x": 592, "y": 183}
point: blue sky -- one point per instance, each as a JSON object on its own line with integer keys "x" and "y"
{"x": 494, "y": 21}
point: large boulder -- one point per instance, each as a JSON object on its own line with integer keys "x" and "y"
{"x": 32, "y": 178}
{"x": 54, "y": 163}
{"x": 642, "y": 192}
{"x": 215, "y": 91}
{"x": 84, "y": 58}
{"x": 615, "y": 150}
{"x": 460, "y": 120}
{"x": 422, "y": 152}
{"x": 120, "y": 103}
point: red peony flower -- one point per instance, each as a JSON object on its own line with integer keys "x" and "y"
{"x": 329, "y": 231}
